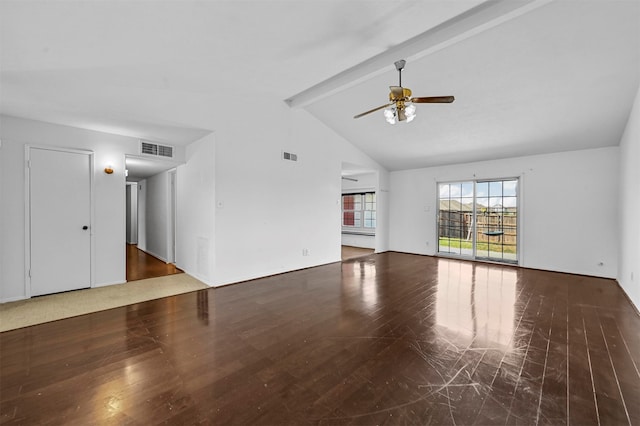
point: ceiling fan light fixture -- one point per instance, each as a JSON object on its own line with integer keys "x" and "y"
{"x": 410, "y": 111}
{"x": 401, "y": 106}
{"x": 391, "y": 114}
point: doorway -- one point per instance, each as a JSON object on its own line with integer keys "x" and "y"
{"x": 151, "y": 193}
{"x": 58, "y": 220}
{"x": 359, "y": 211}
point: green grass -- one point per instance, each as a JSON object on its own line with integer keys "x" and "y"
{"x": 481, "y": 246}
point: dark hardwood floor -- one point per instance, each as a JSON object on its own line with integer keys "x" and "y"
{"x": 141, "y": 265}
{"x": 386, "y": 339}
{"x": 349, "y": 252}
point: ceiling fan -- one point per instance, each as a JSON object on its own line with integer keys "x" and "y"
{"x": 401, "y": 107}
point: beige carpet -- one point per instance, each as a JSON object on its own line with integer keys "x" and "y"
{"x": 64, "y": 305}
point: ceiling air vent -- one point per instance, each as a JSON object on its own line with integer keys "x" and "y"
{"x": 151, "y": 148}
{"x": 289, "y": 156}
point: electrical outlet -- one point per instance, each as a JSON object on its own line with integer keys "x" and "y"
{"x": 305, "y": 252}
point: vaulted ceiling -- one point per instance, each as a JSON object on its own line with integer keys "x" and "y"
{"x": 528, "y": 76}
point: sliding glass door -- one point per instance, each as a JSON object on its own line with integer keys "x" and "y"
{"x": 455, "y": 214}
{"x": 479, "y": 219}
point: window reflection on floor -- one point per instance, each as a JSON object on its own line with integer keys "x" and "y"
{"x": 367, "y": 291}
{"x": 476, "y": 302}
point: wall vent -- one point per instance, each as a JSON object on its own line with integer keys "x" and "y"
{"x": 289, "y": 156}
{"x": 157, "y": 150}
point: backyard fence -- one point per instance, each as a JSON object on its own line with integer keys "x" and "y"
{"x": 490, "y": 227}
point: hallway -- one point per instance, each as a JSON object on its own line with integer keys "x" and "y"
{"x": 141, "y": 265}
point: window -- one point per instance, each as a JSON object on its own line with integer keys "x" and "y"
{"x": 479, "y": 219}
{"x": 359, "y": 212}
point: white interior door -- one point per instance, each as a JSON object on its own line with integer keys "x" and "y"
{"x": 60, "y": 220}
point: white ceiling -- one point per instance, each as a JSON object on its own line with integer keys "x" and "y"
{"x": 528, "y": 76}
{"x": 139, "y": 168}
{"x": 558, "y": 78}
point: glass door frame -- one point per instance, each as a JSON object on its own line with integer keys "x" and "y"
{"x": 474, "y": 222}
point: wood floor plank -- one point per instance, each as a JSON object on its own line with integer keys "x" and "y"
{"x": 626, "y": 370}
{"x": 608, "y": 397}
{"x": 141, "y": 265}
{"x": 388, "y": 338}
{"x": 582, "y": 403}
{"x": 554, "y": 410}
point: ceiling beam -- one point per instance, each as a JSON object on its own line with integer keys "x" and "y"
{"x": 478, "y": 19}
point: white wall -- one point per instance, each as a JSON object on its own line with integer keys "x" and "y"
{"x": 12, "y": 260}
{"x": 355, "y": 240}
{"x": 195, "y": 238}
{"x": 243, "y": 212}
{"x": 365, "y": 182}
{"x": 142, "y": 217}
{"x": 109, "y": 195}
{"x": 629, "y": 217}
{"x": 383, "y": 204}
{"x": 128, "y": 229}
{"x": 156, "y": 215}
{"x": 568, "y": 208}
{"x": 267, "y": 209}
{"x": 132, "y": 213}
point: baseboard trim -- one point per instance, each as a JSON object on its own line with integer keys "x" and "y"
{"x": 109, "y": 283}
{"x": 224, "y": 284}
{"x": 157, "y": 256}
{"x": 198, "y": 277}
{"x": 13, "y": 299}
{"x": 626, "y": 295}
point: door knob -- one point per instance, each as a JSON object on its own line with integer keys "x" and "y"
{"x": 85, "y": 227}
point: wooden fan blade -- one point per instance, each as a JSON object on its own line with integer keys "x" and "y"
{"x": 373, "y": 110}
{"x": 433, "y": 100}
{"x": 396, "y": 92}
{"x": 401, "y": 115}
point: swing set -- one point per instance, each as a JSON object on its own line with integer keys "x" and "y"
{"x": 488, "y": 232}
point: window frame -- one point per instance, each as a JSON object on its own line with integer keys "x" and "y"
{"x": 360, "y": 230}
